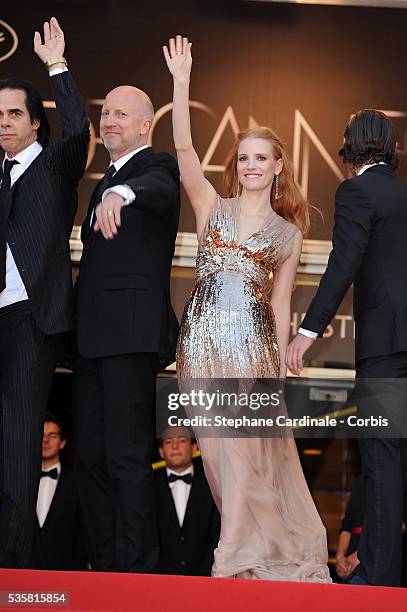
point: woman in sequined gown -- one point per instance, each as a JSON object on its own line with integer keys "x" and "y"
{"x": 232, "y": 328}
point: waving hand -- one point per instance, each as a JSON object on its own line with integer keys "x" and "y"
{"x": 200, "y": 192}
{"x": 53, "y": 46}
{"x": 178, "y": 57}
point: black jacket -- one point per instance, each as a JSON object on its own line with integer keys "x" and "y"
{"x": 123, "y": 288}
{"x": 59, "y": 543}
{"x": 370, "y": 250}
{"x": 186, "y": 550}
{"x": 41, "y": 209}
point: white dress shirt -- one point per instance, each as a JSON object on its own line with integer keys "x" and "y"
{"x": 124, "y": 191}
{"x": 15, "y": 290}
{"x": 46, "y": 492}
{"x": 308, "y": 332}
{"x": 180, "y": 492}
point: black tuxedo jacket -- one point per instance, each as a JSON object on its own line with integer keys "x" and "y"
{"x": 188, "y": 549}
{"x": 59, "y": 543}
{"x": 123, "y": 288}
{"x": 370, "y": 250}
{"x": 41, "y": 209}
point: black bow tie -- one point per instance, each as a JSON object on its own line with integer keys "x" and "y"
{"x": 187, "y": 478}
{"x": 52, "y": 473}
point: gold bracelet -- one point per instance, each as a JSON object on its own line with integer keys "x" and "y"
{"x": 55, "y": 60}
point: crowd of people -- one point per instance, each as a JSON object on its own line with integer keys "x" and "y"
{"x": 235, "y": 325}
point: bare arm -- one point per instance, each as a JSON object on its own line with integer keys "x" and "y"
{"x": 281, "y": 299}
{"x": 343, "y": 544}
{"x": 199, "y": 190}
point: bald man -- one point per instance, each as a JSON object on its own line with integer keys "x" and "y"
{"x": 126, "y": 332}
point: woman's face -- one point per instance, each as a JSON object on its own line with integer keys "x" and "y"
{"x": 256, "y": 165}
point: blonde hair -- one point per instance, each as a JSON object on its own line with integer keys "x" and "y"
{"x": 292, "y": 206}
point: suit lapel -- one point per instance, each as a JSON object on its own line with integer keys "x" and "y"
{"x": 86, "y": 226}
{"x": 169, "y": 502}
{"x": 25, "y": 176}
{"x": 56, "y": 501}
{"x": 8, "y": 202}
{"x": 118, "y": 179}
{"x": 134, "y": 163}
{"x": 194, "y": 495}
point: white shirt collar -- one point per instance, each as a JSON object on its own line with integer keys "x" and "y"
{"x": 367, "y": 166}
{"x": 56, "y": 465}
{"x": 189, "y": 470}
{"x": 27, "y": 155}
{"x": 119, "y": 163}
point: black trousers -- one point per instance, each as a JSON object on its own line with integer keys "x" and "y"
{"x": 384, "y": 467}
{"x": 27, "y": 362}
{"x": 114, "y": 399}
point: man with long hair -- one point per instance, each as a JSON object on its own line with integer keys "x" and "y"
{"x": 370, "y": 251}
{"x": 38, "y": 201}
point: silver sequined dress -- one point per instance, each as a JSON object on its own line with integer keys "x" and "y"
{"x": 270, "y": 526}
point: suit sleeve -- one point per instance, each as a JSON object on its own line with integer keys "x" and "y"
{"x": 68, "y": 154}
{"x": 352, "y": 227}
{"x": 158, "y": 188}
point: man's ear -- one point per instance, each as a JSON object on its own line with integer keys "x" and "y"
{"x": 36, "y": 124}
{"x": 160, "y": 450}
{"x": 146, "y": 126}
{"x": 62, "y": 444}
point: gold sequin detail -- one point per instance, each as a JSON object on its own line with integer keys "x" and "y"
{"x": 228, "y": 326}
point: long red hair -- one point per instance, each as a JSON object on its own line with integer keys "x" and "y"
{"x": 292, "y": 206}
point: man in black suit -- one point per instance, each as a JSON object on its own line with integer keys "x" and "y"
{"x": 370, "y": 250}
{"x": 187, "y": 518}
{"x": 59, "y": 542}
{"x": 127, "y": 331}
{"x": 38, "y": 200}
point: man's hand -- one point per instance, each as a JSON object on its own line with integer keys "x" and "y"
{"x": 296, "y": 351}
{"x": 54, "y": 42}
{"x": 343, "y": 567}
{"x": 353, "y": 561}
{"x": 108, "y": 215}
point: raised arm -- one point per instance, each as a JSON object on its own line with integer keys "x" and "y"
{"x": 68, "y": 154}
{"x": 200, "y": 192}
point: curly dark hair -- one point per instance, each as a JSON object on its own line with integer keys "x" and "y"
{"x": 369, "y": 138}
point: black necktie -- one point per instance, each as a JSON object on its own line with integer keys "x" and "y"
{"x": 100, "y": 188}
{"x": 52, "y": 473}
{"x": 4, "y": 189}
{"x": 186, "y": 478}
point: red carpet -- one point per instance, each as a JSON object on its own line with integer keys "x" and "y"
{"x": 92, "y": 591}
